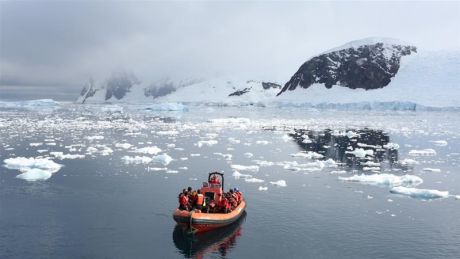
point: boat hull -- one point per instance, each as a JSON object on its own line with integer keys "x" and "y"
{"x": 202, "y": 222}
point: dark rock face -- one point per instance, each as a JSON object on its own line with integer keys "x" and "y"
{"x": 366, "y": 67}
{"x": 118, "y": 85}
{"x": 240, "y": 92}
{"x": 159, "y": 90}
{"x": 265, "y": 86}
{"x": 268, "y": 85}
{"x": 88, "y": 91}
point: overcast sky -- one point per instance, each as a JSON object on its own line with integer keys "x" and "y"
{"x": 50, "y": 49}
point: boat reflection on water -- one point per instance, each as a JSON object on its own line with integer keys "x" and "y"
{"x": 217, "y": 241}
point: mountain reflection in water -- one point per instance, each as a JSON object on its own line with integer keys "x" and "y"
{"x": 337, "y": 145}
{"x": 217, "y": 241}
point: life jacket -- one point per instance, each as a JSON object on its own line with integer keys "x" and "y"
{"x": 183, "y": 200}
{"x": 200, "y": 199}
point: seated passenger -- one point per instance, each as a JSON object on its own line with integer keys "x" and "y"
{"x": 183, "y": 201}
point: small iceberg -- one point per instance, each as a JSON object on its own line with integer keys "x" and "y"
{"x": 280, "y": 183}
{"x": 33, "y": 169}
{"x": 384, "y": 180}
{"x": 163, "y": 159}
{"x": 424, "y": 194}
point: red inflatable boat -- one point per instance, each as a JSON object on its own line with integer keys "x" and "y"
{"x": 197, "y": 221}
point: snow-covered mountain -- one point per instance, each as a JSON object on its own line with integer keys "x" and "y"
{"x": 370, "y": 73}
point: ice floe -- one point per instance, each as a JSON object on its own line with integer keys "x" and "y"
{"x": 123, "y": 145}
{"x": 361, "y": 153}
{"x": 423, "y": 152}
{"x": 308, "y": 154}
{"x": 253, "y": 180}
{"x": 208, "y": 143}
{"x": 148, "y": 150}
{"x": 440, "y": 143}
{"x": 280, "y": 183}
{"x": 424, "y": 194}
{"x": 61, "y": 155}
{"x": 136, "y": 159}
{"x": 163, "y": 159}
{"x": 263, "y": 188}
{"x": 33, "y": 169}
{"x": 389, "y": 180}
{"x": 250, "y": 168}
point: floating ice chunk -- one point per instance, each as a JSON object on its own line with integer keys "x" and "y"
{"x": 167, "y": 132}
{"x": 408, "y": 161}
{"x": 253, "y": 180}
{"x": 148, "y": 150}
{"x": 262, "y": 188}
{"x": 35, "y": 144}
{"x": 172, "y": 171}
{"x": 457, "y": 197}
{"x": 239, "y": 175}
{"x": 171, "y": 145}
{"x": 351, "y": 134}
{"x": 425, "y": 194}
{"x": 359, "y": 152}
{"x": 248, "y": 154}
{"x": 262, "y": 142}
{"x": 385, "y": 180}
{"x": 234, "y": 140}
{"x": 136, "y": 159}
{"x": 91, "y": 138}
{"x": 434, "y": 170}
{"x": 33, "y": 169}
{"x": 308, "y": 155}
{"x": 183, "y": 168}
{"x": 423, "y": 152}
{"x": 208, "y": 143}
{"x": 195, "y": 154}
{"x": 330, "y": 163}
{"x": 440, "y": 143}
{"x": 370, "y": 164}
{"x": 166, "y": 107}
{"x": 264, "y": 163}
{"x": 157, "y": 168}
{"x": 163, "y": 159}
{"x": 34, "y": 174}
{"x": 61, "y": 155}
{"x": 123, "y": 145}
{"x": 280, "y": 183}
{"x": 391, "y": 146}
{"x": 251, "y": 168}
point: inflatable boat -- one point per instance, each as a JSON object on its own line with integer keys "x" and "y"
{"x": 195, "y": 221}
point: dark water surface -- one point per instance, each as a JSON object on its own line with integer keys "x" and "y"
{"x": 101, "y": 207}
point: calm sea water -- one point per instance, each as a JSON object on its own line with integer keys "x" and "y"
{"x": 100, "y": 206}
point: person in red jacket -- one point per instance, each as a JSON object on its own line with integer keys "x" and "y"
{"x": 183, "y": 201}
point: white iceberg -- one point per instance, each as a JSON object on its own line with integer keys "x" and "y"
{"x": 425, "y": 194}
{"x": 250, "y": 168}
{"x": 136, "y": 159}
{"x": 208, "y": 143}
{"x": 361, "y": 153}
{"x": 280, "y": 183}
{"x": 163, "y": 159}
{"x": 389, "y": 180}
{"x": 423, "y": 152}
{"x": 253, "y": 180}
{"x": 262, "y": 188}
{"x": 148, "y": 150}
{"x": 33, "y": 169}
